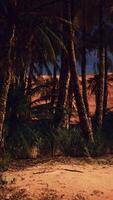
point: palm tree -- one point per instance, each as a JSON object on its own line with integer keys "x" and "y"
{"x": 92, "y": 86}
{"x": 105, "y": 84}
{"x": 3, "y": 102}
{"x": 101, "y": 68}
{"x": 63, "y": 85}
{"x": 84, "y": 28}
{"x": 7, "y": 79}
{"x": 83, "y": 64}
{"x": 17, "y": 47}
{"x": 105, "y": 34}
{"x": 84, "y": 121}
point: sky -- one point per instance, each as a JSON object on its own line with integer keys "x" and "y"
{"x": 92, "y": 62}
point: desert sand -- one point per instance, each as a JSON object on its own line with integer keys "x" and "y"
{"x": 61, "y": 178}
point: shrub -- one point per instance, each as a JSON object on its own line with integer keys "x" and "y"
{"x": 20, "y": 143}
{"x": 70, "y": 142}
{"x": 5, "y": 162}
{"x": 98, "y": 148}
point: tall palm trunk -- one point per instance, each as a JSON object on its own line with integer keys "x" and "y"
{"x": 3, "y": 102}
{"x": 105, "y": 85}
{"x": 29, "y": 84}
{"x": 63, "y": 87}
{"x": 63, "y": 82}
{"x": 65, "y": 120}
{"x": 84, "y": 121}
{"x": 101, "y": 69}
{"x": 59, "y": 116}
{"x": 84, "y": 80}
{"x": 70, "y": 100}
{"x": 83, "y": 66}
{"x": 7, "y": 79}
{"x": 53, "y": 97}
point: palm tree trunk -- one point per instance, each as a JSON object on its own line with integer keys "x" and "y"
{"x": 59, "y": 116}
{"x": 105, "y": 86}
{"x": 65, "y": 121}
{"x": 29, "y": 85}
{"x": 3, "y": 102}
{"x": 84, "y": 80}
{"x": 83, "y": 67}
{"x": 63, "y": 82}
{"x": 6, "y": 84}
{"x": 53, "y": 96}
{"x": 70, "y": 100}
{"x": 101, "y": 69}
{"x": 84, "y": 121}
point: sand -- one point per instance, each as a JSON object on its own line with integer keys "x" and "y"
{"x": 62, "y": 178}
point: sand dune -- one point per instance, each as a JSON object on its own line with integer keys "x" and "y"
{"x": 91, "y": 97}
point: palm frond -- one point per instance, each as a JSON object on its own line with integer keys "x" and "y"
{"x": 45, "y": 42}
{"x": 57, "y": 39}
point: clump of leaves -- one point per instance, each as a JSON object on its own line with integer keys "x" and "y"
{"x": 70, "y": 142}
{"x": 20, "y": 142}
{"x": 5, "y": 162}
{"x": 98, "y": 148}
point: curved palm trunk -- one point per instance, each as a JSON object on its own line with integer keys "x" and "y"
{"x": 6, "y": 84}
{"x": 63, "y": 88}
{"x": 84, "y": 121}
{"x": 65, "y": 121}
{"x": 101, "y": 69}
{"x": 3, "y": 102}
{"x": 70, "y": 100}
{"x": 29, "y": 84}
{"x": 84, "y": 80}
{"x": 54, "y": 86}
{"x": 83, "y": 66}
{"x": 59, "y": 117}
{"x": 105, "y": 86}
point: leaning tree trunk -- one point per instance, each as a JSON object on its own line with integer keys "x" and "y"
{"x": 83, "y": 66}
{"x": 59, "y": 116}
{"x": 101, "y": 69}
{"x": 6, "y": 85}
{"x": 3, "y": 103}
{"x": 105, "y": 86}
{"x": 84, "y": 81}
{"x": 63, "y": 82}
{"x": 63, "y": 88}
{"x": 70, "y": 100}
{"x": 84, "y": 121}
{"x": 53, "y": 95}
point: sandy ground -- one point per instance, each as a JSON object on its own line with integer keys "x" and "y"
{"x": 62, "y": 178}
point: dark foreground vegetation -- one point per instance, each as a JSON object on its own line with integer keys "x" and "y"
{"x": 51, "y": 37}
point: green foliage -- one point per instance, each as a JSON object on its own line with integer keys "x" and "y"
{"x": 5, "y": 162}
{"x": 98, "y": 148}
{"x": 20, "y": 142}
{"x": 70, "y": 142}
{"x": 47, "y": 42}
{"x": 56, "y": 39}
